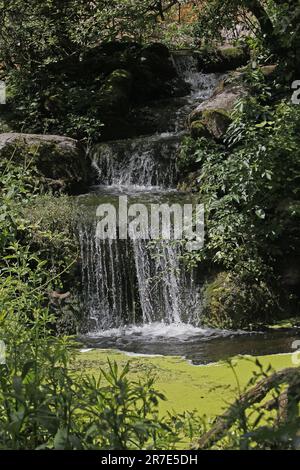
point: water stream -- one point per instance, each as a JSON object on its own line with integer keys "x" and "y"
{"x": 140, "y": 296}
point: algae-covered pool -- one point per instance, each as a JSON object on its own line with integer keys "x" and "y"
{"x": 205, "y": 388}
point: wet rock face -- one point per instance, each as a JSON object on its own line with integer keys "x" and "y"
{"x": 60, "y": 161}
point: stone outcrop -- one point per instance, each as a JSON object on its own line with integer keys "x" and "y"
{"x": 59, "y": 160}
{"x": 222, "y": 59}
{"x": 116, "y": 78}
{"x": 214, "y": 113}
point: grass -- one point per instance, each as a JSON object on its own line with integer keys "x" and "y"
{"x": 206, "y": 388}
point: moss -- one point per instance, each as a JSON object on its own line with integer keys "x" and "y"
{"x": 229, "y": 53}
{"x": 114, "y": 95}
{"x": 198, "y": 130}
{"x": 231, "y": 302}
{"x": 286, "y": 323}
{"x": 207, "y": 389}
{"x": 222, "y": 59}
{"x": 216, "y": 121}
{"x": 208, "y": 113}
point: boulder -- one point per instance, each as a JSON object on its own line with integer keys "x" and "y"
{"x": 60, "y": 161}
{"x": 198, "y": 129}
{"x": 224, "y": 99}
{"x": 114, "y": 95}
{"x": 216, "y": 122}
{"x": 222, "y": 59}
{"x": 214, "y": 113}
{"x": 231, "y": 302}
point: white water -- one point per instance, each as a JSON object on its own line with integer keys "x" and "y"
{"x": 150, "y": 161}
{"x": 131, "y": 285}
{"x": 155, "y": 330}
{"x": 134, "y": 282}
{"x": 144, "y": 162}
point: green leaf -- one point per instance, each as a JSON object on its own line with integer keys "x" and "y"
{"x": 262, "y": 124}
{"x": 26, "y": 368}
{"x": 260, "y": 213}
{"x": 61, "y": 439}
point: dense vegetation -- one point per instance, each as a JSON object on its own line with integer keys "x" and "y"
{"x": 249, "y": 184}
{"x": 248, "y": 179}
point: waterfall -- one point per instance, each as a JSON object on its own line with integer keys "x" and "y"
{"x": 135, "y": 282}
{"x": 139, "y": 282}
{"x": 145, "y": 162}
{"x": 201, "y": 84}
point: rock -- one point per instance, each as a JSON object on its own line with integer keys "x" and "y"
{"x": 108, "y": 82}
{"x": 268, "y": 70}
{"x": 216, "y": 122}
{"x": 158, "y": 60}
{"x": 224, "y": 99}
{"x": 60, "y": 161}
{"x": 113, "y": 103}
{"x": 214, "y": 113}
{"x": 231, "y": 302}
{"x": 222, "y": 59}
{"x": 198, "y": 129}
{"x": 114, "y": 95}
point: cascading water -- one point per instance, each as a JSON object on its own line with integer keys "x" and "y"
{"x": 151, "y": 160}
{"x": 137, "y": 282}
{"x": 144, "y": 162}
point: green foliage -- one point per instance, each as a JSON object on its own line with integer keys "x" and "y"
{"x": 243, "y": 183}
{"x": 45, "y": 404}
{"x": 49, "y": 30}
{"x": 265, "y": 415}
{"x": 272, "y": 28}
{"x": 249, "y": 186}
{"x": 37, "y": 36}
{"x": 38, "y": 248}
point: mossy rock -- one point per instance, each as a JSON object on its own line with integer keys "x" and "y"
{"x": 198, "y": 129}
{"x": 216, "y": 121}
{"x": 222, "y": 102}
{"x": 114, "y": 95}
{"x": 231, "y": 302}
{"x": 60, "y": 162}
{"x": 222, "y": 59}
